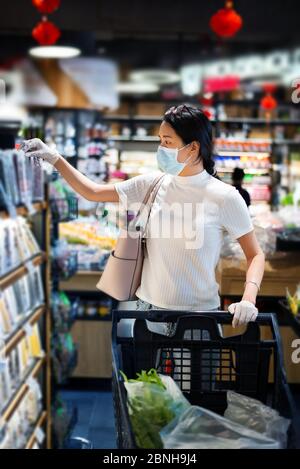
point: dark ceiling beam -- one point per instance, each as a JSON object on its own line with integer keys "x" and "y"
{"x": 262, "y": 19}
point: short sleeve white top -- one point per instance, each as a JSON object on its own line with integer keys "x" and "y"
{"x": 184, "y": 236}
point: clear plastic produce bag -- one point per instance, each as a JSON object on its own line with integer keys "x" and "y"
{"x": 199, "y": 428}
{"x": 153, "y": 401}
{"x": 257, "y": 416}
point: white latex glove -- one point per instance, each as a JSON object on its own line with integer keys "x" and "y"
{"x": 243, "y": 312}
{"x": 38, "y": 149}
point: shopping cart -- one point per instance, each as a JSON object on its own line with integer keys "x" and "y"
{"x": 203, "y": 363}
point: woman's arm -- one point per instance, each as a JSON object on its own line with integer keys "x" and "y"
{"x": 84, "y": 186}
{"x": 81, "y": 184}
{"x": 255, "y": 265}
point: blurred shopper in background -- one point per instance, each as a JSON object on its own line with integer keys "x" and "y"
{"x": 237, "y": 180}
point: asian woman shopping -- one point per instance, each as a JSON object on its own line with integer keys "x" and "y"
{"x": 192, "y": 211}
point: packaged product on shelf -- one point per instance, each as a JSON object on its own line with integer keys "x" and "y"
{"x": 34, "y": 342}
{"x": 105, "y": 307}
{"x": 18, "y": 429}
{"x": 19, "y": 300}
{"x": 64, "y": 356}
{"x": 21, "y": 174}
{"x": 22, "y": 294}
{"x": 5, "y": 382}
{"x": 35, "y": 287}
{"x": 29, "y": 349}
{"x": 24, "y": 356}
{"x": 17, "y": 243}
{"x": 38, "y": 285}
{"x": 64, "y": 310}
{"x": 5, "y": 319}
{"x": 62, "y": 200}
{"x": 30, "y": 179}
{"x": 19, "y": 247}
{"x": 14, "y": 368}
{"x": 11, "y": 306}
{"x": 59, "y": 189}
{"x": 3, "y": 198}
{"x": 6, "y": 247}
{"x": 8, "y": 176}
{"x": 14, "y": 242}
{"x": 27, "y": 237}
{"x": 64, "y": 259}
{"x": 33, "y": 401}
{"x": 100, "y": 308}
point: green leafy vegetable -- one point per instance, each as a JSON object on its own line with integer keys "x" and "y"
{"x": 150, "y": 406}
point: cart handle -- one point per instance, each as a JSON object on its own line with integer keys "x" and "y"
{"x": 158, "y": 315}
{"x": 268, "y": 319}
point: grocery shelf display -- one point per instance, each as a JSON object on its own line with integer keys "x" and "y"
{"x": 25, "y": 327}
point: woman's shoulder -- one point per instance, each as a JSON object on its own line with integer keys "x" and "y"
{"x": 218, "y": 191}
{"x": 223, "y": 188}
{"x": 149, "y": 176}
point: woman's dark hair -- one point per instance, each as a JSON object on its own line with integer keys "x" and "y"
{"x": 190, "y": 123}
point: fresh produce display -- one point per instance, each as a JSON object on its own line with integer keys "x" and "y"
{"x": 294, "y": 301}
{"x": 92, "y": 239}
{"x": 88, "y": 231}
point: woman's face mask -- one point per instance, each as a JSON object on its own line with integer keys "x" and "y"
{"x": 167, "y": 159}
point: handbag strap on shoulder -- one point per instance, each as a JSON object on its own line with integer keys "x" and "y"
{"x": 150, "y": 196}
{"x": 151, "y": 188}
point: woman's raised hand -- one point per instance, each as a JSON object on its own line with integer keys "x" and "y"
{"x": 38, "y": 149}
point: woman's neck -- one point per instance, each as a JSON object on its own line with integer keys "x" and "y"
{"x": 192, "y": 170}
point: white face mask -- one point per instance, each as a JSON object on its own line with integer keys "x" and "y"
{"x": 167, "y": 160}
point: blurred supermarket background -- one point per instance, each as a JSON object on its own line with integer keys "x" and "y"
{"x": 95, "y": 78}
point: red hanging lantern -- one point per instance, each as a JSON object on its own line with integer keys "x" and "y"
{"x": 206, "y": 101}
{"x": 207, "y": 113}
{"x": 226, "y": 22}
{"x": 46, "y": 33}
{"x": 46, "y": 6}
{"x": 268, "y": 102}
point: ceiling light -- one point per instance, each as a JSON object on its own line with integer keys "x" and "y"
{"x": 136, "y": 88}
{"x": 159, "y": 77}
{"x": 54, "y": 52}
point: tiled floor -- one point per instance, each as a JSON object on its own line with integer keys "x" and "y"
{"x": 95, "y": 417}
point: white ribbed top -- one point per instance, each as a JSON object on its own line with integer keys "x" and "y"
{"x": 185, "y": 236}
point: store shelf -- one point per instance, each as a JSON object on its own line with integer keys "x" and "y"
{"x": 15, "y": 274}
{"x": 32, "y": 439}
{"x": 229, "y": 120}
{"x": 82, "y": 281}
{"x": 22, "y": 210}
{"x": 257, "y": 121}
{"x": 249, "y": 154}
{"x": 248, "y": 102}
{"x": 246, "y": 170}
{"x": 96, "y": 318}
{"x": 118, "y": 118}
{"x": 145, "y": 139}
{"x": 22, "y": 390}
{"x": 20, "y": 333}
{"x": 285, "y": 142}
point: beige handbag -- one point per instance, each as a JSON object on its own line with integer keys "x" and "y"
{"x": 123, "y": 270}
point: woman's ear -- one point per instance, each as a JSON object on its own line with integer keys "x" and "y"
{"x": 195, "y": 148}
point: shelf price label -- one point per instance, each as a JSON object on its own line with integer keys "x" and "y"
{"x": 34, "y": 386}
{"x": 40, "y": 435}
{"x": 27, "y": 328}
{"x": 30, "y": 267}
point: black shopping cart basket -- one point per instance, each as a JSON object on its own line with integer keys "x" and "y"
{"x": 203, "y": 362}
